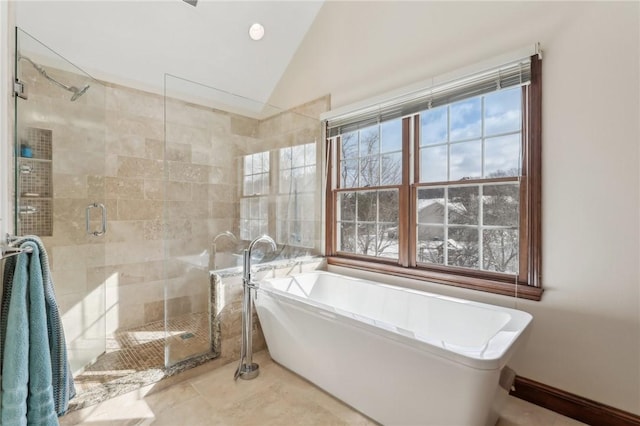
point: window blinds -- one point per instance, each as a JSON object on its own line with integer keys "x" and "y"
{"x": 513, "y": 74}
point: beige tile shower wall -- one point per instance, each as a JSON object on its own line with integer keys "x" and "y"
{"x": 171, "y": 208}
{"x": 78, "y": 134}
{"x": 109, "y": 147}
{"x": 134, "y": 248}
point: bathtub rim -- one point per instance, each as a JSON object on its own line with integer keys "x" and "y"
{"x": 519, "y": 320}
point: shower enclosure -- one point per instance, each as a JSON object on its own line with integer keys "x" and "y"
{"x": 59, "y": 173}
{"x": 138, "y": 197}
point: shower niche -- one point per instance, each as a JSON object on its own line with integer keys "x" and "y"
{"x": 35, "y": 183}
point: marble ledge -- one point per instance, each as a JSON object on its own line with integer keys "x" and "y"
{"x": 306, "y": 262}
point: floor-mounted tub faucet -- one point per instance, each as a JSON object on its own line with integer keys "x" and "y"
{"x": 247, "y": 369}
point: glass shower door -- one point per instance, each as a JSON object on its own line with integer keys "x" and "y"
{"x": 60, "y": 186}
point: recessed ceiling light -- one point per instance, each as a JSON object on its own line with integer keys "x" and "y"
{"x": 256, "y": 31}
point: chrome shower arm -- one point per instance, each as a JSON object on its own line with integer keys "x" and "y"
{"x": 73, "y": 89}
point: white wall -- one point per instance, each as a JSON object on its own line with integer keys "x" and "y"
{"x": 6, "y": 112}
{"x": 586, "y": 333}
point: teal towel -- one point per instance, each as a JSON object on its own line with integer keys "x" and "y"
{"x": 27, "y": 392}
{"x": 15, "y": 354}
{"x": 62, "y": 379}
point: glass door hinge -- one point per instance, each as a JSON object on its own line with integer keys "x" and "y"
{"x": 20, "y": 89}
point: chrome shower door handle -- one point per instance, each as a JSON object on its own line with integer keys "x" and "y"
{"x": 103, "y": 225}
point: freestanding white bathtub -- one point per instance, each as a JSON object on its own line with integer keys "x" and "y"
{"x": 401, "y": 357}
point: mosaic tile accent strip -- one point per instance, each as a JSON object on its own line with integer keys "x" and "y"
{"x": 35, "y": 209}
{"x": 40, "y": 141}
{"x": 35, "y": 217}
{"x": 35, "y": 178}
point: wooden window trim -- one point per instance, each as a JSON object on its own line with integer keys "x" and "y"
{"x": 449, "y": 278}
{"x": 527, "y": 284}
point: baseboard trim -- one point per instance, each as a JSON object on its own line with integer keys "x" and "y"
{"x": 570, "y": 405}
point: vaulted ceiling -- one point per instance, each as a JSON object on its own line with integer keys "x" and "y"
{"x": 136, "y": 42}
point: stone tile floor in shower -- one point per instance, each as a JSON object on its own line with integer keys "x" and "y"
{"x": 207, "y": 395}
{"x": 135, "y": 357}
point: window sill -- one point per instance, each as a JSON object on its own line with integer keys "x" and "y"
{"x": 473, "y": 283}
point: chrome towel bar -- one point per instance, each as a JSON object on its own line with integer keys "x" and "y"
{"x": 9, "y": 250}
{"x": 6, "y": 252}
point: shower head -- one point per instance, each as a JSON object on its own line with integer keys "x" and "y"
{"x": 77, "y": 92}
{"x": 73, "y": 89}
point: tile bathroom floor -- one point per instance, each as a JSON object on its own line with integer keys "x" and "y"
{"x": 207, "y": 395}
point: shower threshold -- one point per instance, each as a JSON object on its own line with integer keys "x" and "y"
{"x": 135, "y": 357}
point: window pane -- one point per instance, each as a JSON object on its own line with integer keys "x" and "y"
{"x": 244, "y": 208}
{"x": 367, "y": 206}
{"x": 391, "y": 170}
{"x": 433, "y": 128}
{"x": 262, "y": 228}
{"x": 247, "y": 188}
{"x": 369, "y": 141}
{"x": 502, "y": 156}
{"x": 347, "y": 237}
{"x": 265, "y": 162}
{"x": 349, "y": 173}
{"x": 309, "y": 179}
{"x": 244, "y": 230}
{"x": 308, "y": 234}
{"x": 431, "y": 205}
{"x": 305, "y": 208}
{"x": 282, "y": 232}
{"x": 285, "y": 158}
{"x": 500, "y": 205}
{"x": 433, "y": 164}
{"x": 466, "y": 119}
{"x": 463, "y": 205}
{"x": 430, "y": 244}
{"x": 391, "y": 135}
{"x": 465, "y": 161}
{"x": 261, "y": 183}
{"x": 500, "y": 250}
{"x": 388, "y": 240}
{"x": 285, "y": 181}
{"x": 254, "y": 229}
{"x": 264, "y": 208}
{"x": 248, "y": 165}
{"x": 256, "y": 163}
{"x": 283, "y": 208}
{"x": 310, "y": 154}
{"x": 462, "y": 247}
{"x": 295, "y": 232}
{"x": 388, "y": 207}
{"x": 349, "y": 145}
{"x": 503, "y": 111}
{"x": 297, "y": 155}
{"x": 254, "y": 208}
{"x": 347, "y": 206}
{"x": 367, "y": 239}
{"x": 369, "y": 171}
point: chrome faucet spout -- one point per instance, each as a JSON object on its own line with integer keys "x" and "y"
{"x": 247, "y": 369}
{"x": 227, "y": 234}
{"x": 214, "y": 246}
{"x": 249, "y": 252}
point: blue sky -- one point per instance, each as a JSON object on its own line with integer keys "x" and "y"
{"x": 452, "y": 140}
{"x": 460, "y": 125}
